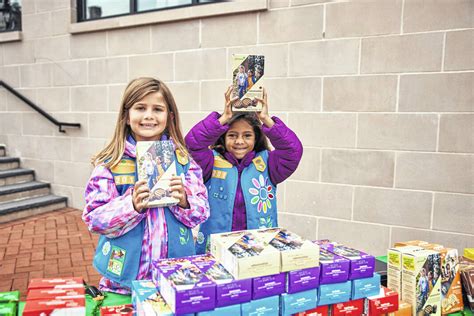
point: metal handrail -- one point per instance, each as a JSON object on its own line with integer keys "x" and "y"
{"x": 38, "y": 109}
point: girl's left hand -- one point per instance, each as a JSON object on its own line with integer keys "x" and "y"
{"x": 178, "y": 192}
{"x": 263, "y": 115}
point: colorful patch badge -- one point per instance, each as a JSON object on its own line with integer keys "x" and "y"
{"x": 125, "y": 166}
{"x": 181, "y": 157}
{"x": 119, "y": 180}
{"x": 200, "y": 238}
{"x": 262, "y": 194}
{"x": 124, "y": 172}
{"x": 220, "y": 162}
{"x": 183, "y": 236}
{"x": 106, "y": 248}
{"x": 259, "y": 164}
{"x": 219, "y": 174}
{"x": 116, "y": 261}
{"x": 265, "y": 222}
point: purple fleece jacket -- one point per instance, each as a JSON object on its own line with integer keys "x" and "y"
{"x": 282, "y": 161}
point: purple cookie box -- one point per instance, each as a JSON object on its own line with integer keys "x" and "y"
{"x": 196, "y": 300}
{"x": 237, "y": 292}
{"x": 334, "y": 268}
{"x": 302, "y": 280}
{"x": 228, "y": 290}
{"x": 188, "y": 298}
{"x": 324, "y": 243}
{"x": 269, "y": 285}
{"x": 362, "y": 265}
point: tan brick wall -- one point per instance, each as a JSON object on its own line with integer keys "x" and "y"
{"x": 379, "y": 92}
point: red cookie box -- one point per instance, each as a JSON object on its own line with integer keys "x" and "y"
{"x": 121, "y": 310}
{"x": 51, "y": 294}
{"x": 57, "y": 283}
{"x": 353, "y": 308}
{"x": 66, "y": 307}
{"x": 385, "y": 302}
{"x": 318, "y": 311}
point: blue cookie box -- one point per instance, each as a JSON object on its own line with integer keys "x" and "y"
{"x": 223, "y": 311}
{"x": 362, "y": 288}
{"x": 268, "y": 306}
{"x": 298, "y": 302}
{"x": 334, "y": 293}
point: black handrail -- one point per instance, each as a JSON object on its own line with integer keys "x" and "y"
{"x": 38, "y": 109}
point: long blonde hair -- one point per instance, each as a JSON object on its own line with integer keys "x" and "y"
{"x": 136, "y": 90}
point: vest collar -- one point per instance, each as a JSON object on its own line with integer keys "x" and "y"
{"x": 243, "y": 163}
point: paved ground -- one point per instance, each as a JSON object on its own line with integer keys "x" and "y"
{"x": 44, "y": 246}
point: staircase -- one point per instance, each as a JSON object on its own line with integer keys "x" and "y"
{"x": 20, "y": 195}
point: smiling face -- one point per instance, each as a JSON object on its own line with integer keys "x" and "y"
{"x": 240, "y": 139}
{"x": 148, "y": 117}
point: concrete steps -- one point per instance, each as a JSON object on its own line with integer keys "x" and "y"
{"x": 9, "y": 163}
{"x": 17, "y": 175}
{"x": 20, "y": 194}
{"x": 24, "y": 190}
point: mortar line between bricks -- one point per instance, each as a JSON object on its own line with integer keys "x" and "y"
{"x": 45, "y": 252}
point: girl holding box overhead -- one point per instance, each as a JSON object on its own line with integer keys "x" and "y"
{"x": 240, "y": 171}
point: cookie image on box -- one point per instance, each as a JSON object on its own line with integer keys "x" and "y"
{"x": 247, "y": 81}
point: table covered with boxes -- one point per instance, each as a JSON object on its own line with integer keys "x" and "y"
{"x": 275, "y": 272}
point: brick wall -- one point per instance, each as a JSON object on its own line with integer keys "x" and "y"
{"x": 380, "y": 93}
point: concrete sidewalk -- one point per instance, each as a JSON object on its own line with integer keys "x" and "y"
{"x": 54, "y": 244}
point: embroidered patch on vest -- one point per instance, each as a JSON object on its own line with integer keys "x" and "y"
{"x": 124, "y": 166}
{"x": 124, "y": 172}
{"x": 219, "y": 174}
{"x": 263, "y": 194}
{"x": 116, "y": 260}
{"x": 183, "y": 236}
{"x": 181, "y": 157}
{"x": 265, "y": 222}
{"x": 119, "y": 180}
{"x": 259, "y": 164}
{"x": 200, "y": 238}
{"x": 106, "y": 248}
{"x": 220, "y": 162}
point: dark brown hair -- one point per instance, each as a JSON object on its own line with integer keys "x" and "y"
{"x": 261, "y": 142}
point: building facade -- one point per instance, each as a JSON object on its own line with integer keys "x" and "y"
{"x": 379, "y": 92}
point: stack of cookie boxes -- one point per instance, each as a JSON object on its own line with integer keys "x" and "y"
{"x": 58, "y": 296}
{"x": 284, "y": 268}
{"x": 348, "y": 284}
{"x": 263, "y": 272}
{"x": 427, "y": 277}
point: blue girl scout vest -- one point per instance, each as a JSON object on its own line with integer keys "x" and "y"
{"x": 258, "y": 191}
{"x": 118, "y": 259}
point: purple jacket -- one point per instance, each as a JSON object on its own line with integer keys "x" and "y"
{"x": 282, "y": 161}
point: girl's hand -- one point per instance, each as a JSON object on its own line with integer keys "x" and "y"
{"x": 227, "y": 114}
{"x": 178, "y": 192}
{"x": 140, "y": 195}
{"x": 263, "y": 116}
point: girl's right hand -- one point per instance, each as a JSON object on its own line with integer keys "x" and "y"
{"x": 227, "y": 114}
{"x": 140, "y": 195}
